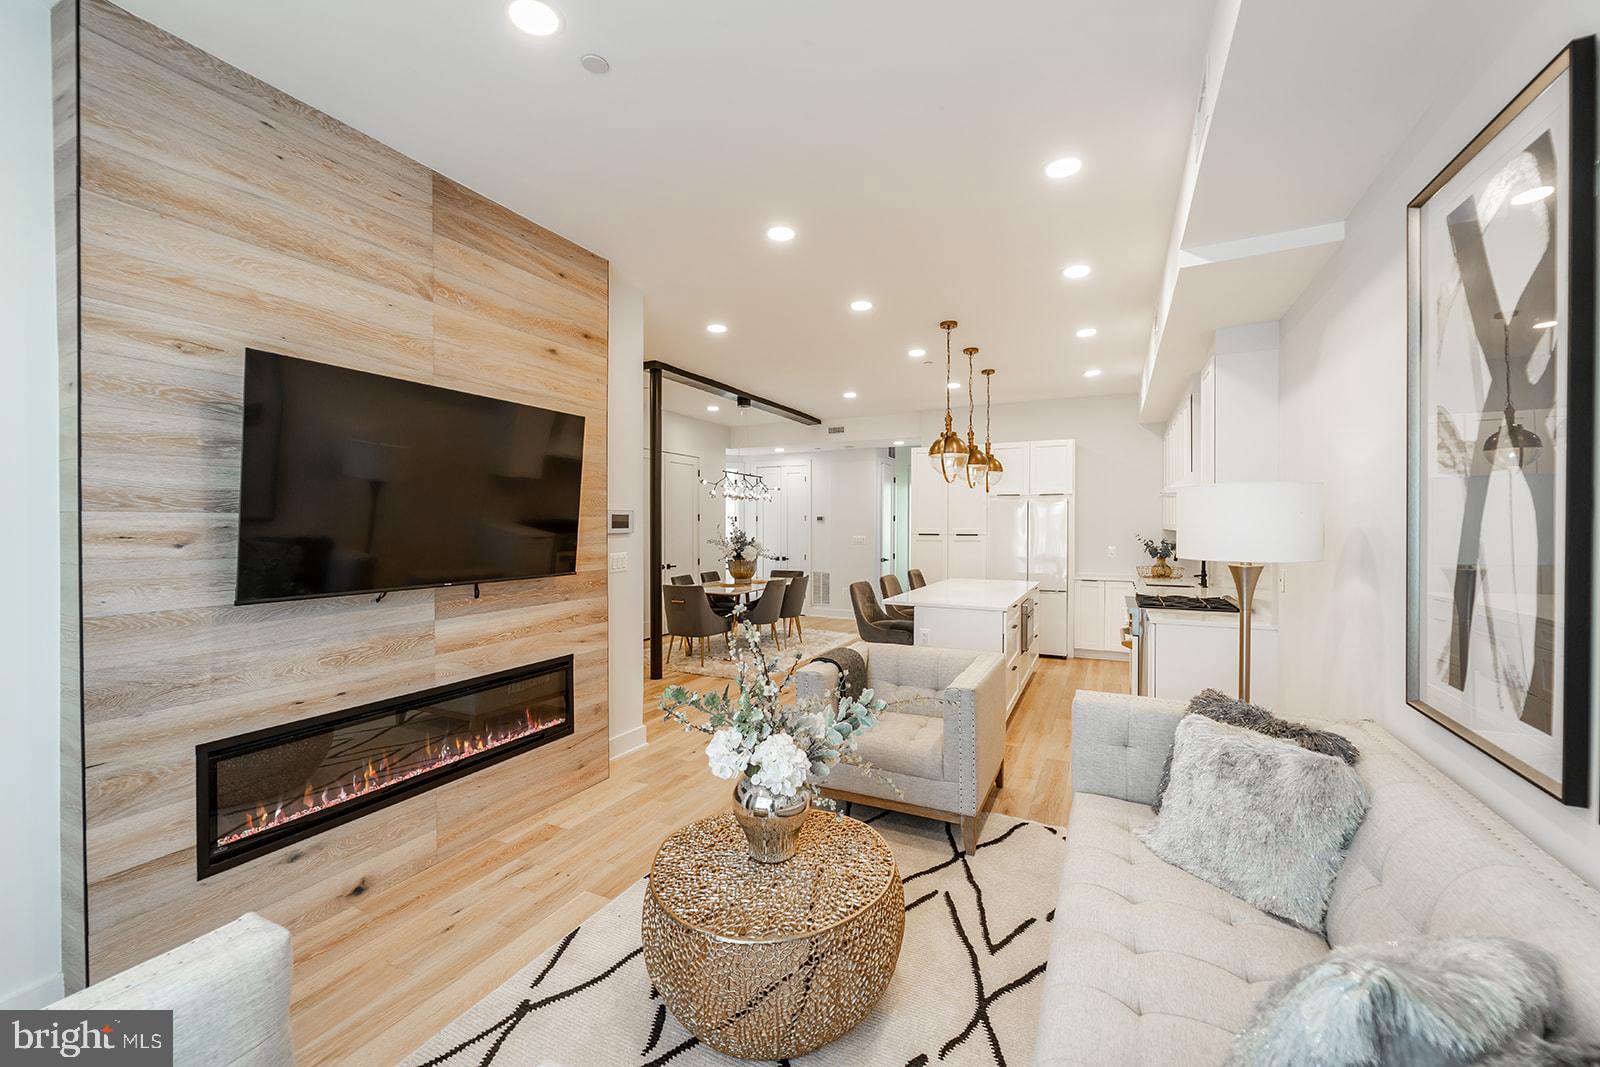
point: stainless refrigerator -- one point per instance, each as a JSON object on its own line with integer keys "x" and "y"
{"x": 1028, "y": 538}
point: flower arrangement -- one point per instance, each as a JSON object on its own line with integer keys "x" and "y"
{"x": 783, "y": 750}
{"x": 1157, "y": 550}
{"x": 736, "y": 543}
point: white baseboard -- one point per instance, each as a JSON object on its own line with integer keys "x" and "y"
{"x": 1097, "y": 653}
{"x": 831, "y": 613}
{"x": 627, "y": 741}
{"x": 35, "y": 995}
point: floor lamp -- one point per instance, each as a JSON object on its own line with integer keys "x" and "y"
{"x": 1250, "y": 524}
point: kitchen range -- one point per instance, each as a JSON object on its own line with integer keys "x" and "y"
{"x": 1182, "y": 639}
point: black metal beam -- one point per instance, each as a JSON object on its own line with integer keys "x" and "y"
{"x": 729, "y": 392}
{"x": 653, "y": 587}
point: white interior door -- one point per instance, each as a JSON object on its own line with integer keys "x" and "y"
{"x": 783, "y": 524}
{"x": 680, "y": 489}
{"x": 888, "y": 561}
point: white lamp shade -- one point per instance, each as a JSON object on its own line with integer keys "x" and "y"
{"x": 1251, "y": 522}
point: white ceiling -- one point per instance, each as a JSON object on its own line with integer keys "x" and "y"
{"x": 903, "y": 139}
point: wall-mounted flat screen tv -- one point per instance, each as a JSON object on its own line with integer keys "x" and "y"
{"x": 359, "y": 483}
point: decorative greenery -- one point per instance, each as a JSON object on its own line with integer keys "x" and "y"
{"x": 1162, "y": 549}
{"x": 736, "y": 543}
{"x": 786, "y": 749}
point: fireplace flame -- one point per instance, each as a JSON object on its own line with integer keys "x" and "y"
{"x": 389, "y": 769}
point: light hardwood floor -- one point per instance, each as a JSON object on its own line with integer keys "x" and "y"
{"x": 380, "y": 975}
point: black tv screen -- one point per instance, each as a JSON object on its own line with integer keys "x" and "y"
{"x": 358, "y": 483}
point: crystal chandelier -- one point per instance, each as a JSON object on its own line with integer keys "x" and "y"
{"x": 947, "y": 454}
{"x": 737, "y": 485}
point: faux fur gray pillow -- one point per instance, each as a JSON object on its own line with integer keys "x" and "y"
{"x": 1264, "y": 819}
{"x": 1428, "y": 1002}
{"x": 1217, "y": 705}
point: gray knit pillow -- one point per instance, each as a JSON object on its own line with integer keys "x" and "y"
{"x": 1264, "y": 819}
{"x": 1217, "y": 705}
{"x": 1426, "y": 1002}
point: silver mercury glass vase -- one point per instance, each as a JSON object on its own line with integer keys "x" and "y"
{"x": 770, "y": 824}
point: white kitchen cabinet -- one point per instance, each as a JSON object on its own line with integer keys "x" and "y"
{"x": 930, "y": 500}
{"x": 1014, "y": 461}
{"x": 968, "y": 510}
{"x": 1050, "y": 624}
{"x": 1088, "y": 614}
{"x": 1185, "y": 652}
{"x": 969, "y": 558}
{"x": 1050, "y": 468}
{"x": 930, "y": 555}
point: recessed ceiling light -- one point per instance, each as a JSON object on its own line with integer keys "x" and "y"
{"x": 716, "y": 327}
{"x": 1076, "y": 271}
{"x": 780, "y": 233}
{"x": 777, "y": 450}
{"x": 1092, "y": 372}
{"x": 850, "y": 396}
{"x": 899, "y": 444}
{"x": 917, "y": 353}
{"x": 534, "y": 17}
{"x": 860, "y": 305}
{"x": 1547, "y": 324}
{"x": 594, "y": 63}
{"x": 1087, "y": 332}
{"x": 952, "y": 385}
{"x": 1533, "y": 196}
{"x": 712, "y": 407}
{"x": 1065, "y": 167}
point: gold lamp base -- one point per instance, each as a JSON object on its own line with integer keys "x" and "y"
{"x": 1245, "y": 577}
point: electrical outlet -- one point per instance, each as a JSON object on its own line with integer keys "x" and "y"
{"x": 1111, "y": 552}
{"x": 619, "y": 562}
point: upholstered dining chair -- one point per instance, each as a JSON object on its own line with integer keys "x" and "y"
{"x": 787, "y": 574}
{"x": 871, "y": 622}
{"x": 768, "y": 606}
{"x": 891, "y": 587}
{"x": 914, "y": 576}
{"x": 794, "y": 604}
{"x": 683, "y": 579}
{"x": 721, "y": 602}
{"x": 690, "y": 615}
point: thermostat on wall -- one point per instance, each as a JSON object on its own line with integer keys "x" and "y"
{"x": 620, "y": 522}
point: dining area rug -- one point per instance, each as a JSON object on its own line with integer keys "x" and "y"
{"x": 967, "y": 987}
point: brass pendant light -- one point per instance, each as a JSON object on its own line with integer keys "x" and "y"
{"x": 993, "y": 469}
{"x": 977, "y": 458}
{"x": 947, "y": 454}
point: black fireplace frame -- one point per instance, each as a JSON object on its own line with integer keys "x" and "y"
{"x": 209, "y": 753}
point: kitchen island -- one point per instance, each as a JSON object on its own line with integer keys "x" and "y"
{"x": 990, "y": 615}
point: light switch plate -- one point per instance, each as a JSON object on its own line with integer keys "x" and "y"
{"x": 619, "y": 561}
{"x": 1111, "y": 552}
{"x": 858, "y": 539}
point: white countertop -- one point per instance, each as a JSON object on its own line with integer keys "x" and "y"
{"x": 980, "y": 594}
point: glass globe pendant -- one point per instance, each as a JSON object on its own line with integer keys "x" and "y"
{"x": 993, "y": 470}
{"x": 947, "y": 454}
{"x": 977, "y": 458}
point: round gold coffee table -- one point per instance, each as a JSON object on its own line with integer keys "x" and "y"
{"x": 771, "y": 961}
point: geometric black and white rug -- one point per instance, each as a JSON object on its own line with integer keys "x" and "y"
{"x": 966, "y": 989}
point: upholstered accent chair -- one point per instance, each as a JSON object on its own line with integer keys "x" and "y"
{"x": 228, "y": 992}
{"x": 914, "y": 576}
{"x": 939, "y": 748}
{"x": 768, "y": 606}
{"x": 794, "y": 605}
{"x": 722, "y": 603}
{"x": 871, "y": 622}
{"x": 890, "y": 584}
{"x": 690, "y": 615}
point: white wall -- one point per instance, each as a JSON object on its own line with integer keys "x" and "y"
{"x": 1119, "y": 469}
{"x": 30, "y": 900}
{"x": 1342, "y": 388}
{"x": 625, "y": 490}
{"x": 844, "y": 529}
{"x": 709, "y": 442}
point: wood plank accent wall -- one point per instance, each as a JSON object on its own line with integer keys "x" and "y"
{"x": 218, "y": 213}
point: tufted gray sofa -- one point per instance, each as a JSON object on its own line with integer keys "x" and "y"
{"x": 1149, "y": 964}
{"x": 939, "y": 750}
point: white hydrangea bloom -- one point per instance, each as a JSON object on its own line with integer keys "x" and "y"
{"x": 726, "y": 753}
{"x": 783, "y": 766}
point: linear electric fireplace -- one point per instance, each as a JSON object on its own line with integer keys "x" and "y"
{"x": 260, "y": 791}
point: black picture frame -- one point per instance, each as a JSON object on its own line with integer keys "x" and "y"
{"x": 1570, "y": 656}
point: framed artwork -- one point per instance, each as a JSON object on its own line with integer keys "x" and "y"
{"x": 1500, "y": 433}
